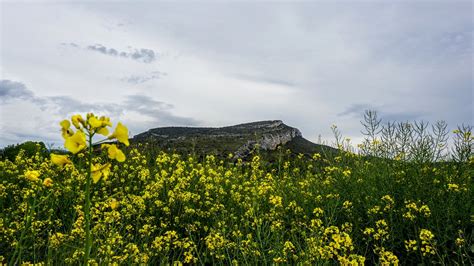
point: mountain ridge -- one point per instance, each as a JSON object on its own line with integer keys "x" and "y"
{"x": 241, "y": 140}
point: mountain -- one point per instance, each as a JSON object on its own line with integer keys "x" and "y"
{"x": 240, "y": 140}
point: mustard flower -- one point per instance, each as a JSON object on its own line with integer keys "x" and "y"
{"x": 65, "y": 129}
{"x": 76, "y": 142}
{"x": 114, "y": 152}
{"x": 32, "y": 175}
{"x": 60, "y": 160}
{"x": 48, "y": 182}
{"x": 121, "y": 134}
{"x": 99, "y": 171}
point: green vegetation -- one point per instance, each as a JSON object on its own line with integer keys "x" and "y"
{"x": 405, "y": 199}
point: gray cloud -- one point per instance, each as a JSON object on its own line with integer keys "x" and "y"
{"x": 357, "y": 111}
{"x": 268, "y": 80}
{"x": 158, "y": 111}
{"x": 140, "y": 55}
{"x": 68, "y": 105}
{"x": 14, "y": 90}
{"x": 138, "y": 79}
{"x": 399, "y": 56}
{"x": 71, "y": 44}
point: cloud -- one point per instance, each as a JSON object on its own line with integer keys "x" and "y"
{"x": 267, "y": 80}
{"x": 356, "y": 110}
{"x": 159, "y": 112}
{"x": 138, "y": 79}
{"x": 383, "y": 112}
{"x": 14, "y": 90}
{"x": 141, "y": 55}
{"x": 150, "y": 112}
{"x": 306, "y": 63}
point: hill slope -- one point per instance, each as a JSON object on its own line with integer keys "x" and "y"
{"x": 239, "y": 140}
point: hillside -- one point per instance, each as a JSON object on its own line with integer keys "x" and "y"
{"x": 239, "y": 140}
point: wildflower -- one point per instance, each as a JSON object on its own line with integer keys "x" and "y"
{"x": 121, "y": 134}
{"x": 60, "y": 160}
{"x": 76, "y": 142}
{"x": 347, "y": 204}
{"x": 32, "y": 175}
{"x": 453, "y": 187}
{"x": 387, "y": 257}
{"x": 427, "y": 242}
{"x": 114, "y": 204}
{"x": 99, "y": 171}
{"x": 411, "y": 245}
{"x": 48, "y": 182}
{"x": 114, "y": 152}
{"x": 65, "y": 128}
{"x": 460, "y": 242}
{"x": 77, "y": 120}
{"x": 94, "y": 122}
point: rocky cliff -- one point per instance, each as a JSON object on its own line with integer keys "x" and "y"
{"x": 240, "y": 140}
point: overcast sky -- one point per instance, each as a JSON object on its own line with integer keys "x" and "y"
{"x": 310, "y": 64}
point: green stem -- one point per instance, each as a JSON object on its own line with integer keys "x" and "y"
{"x": 88, "y": 240}
{"x": 18, "y": 247}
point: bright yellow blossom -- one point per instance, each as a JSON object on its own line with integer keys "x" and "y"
{"x": 114, "y": 204}
{"x": 77, "y": 120}
{"x": 121, "y": 134}
{"x": 65, "y": 128}
{"x": 32, "y": 175}
{"x": 60, "y": 160}
{"x": 48, "y": 182}
{"x": 114, "y": 152}
{"x": 94, "y": 122}
{"x": 76, "y": 142}
{"x": 99, "y": 171}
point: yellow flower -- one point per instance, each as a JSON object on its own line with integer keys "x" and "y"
{"x": 105, "y": 121}
{"x": 76, "y": 142}
{"x": 99, "y": 171}
{"x": 60, "y": 160}
{"x": 65, "y": 128}
{"x": 94, "y": 122}
{"x": 121, "y": 134}
{"x": 48, "y": 182}
{"x": 65, "y": 124}
{"x": 114, "y": 204}
{"x": 103, "y": 131}
{"x": 77, "y": 120}
{"x": 32, "y": 175}
{"x": 114, "y": 152}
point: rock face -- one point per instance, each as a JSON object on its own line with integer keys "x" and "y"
{"x": 239, "y": 140}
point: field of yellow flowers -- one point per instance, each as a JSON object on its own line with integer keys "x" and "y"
{"x": 107, "y": 204}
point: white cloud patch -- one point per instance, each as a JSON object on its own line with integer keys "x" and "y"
{"x": 310, "y": 64}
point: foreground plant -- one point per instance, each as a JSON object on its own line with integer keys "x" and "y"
{"x": 81, "y": 141}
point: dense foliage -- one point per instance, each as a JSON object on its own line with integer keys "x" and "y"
{"x": 402, "y": 198}
{"x": 342, "y": 209}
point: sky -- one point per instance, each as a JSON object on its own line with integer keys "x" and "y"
{"x": 207, "y": 63}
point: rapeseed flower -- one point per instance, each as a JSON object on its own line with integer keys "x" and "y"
{"x": 60, "y": 160}
{"x": 77, "y": 121}
{"x": 114, "y": 153}
{"x": 121, "y": 134}
{"x": 48, "y": 182}
{"x": 65, "y": 129}
{"x": 32, "y": 175}
{"x": 99, "y": 171}
{"x": 76, "y": 142}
